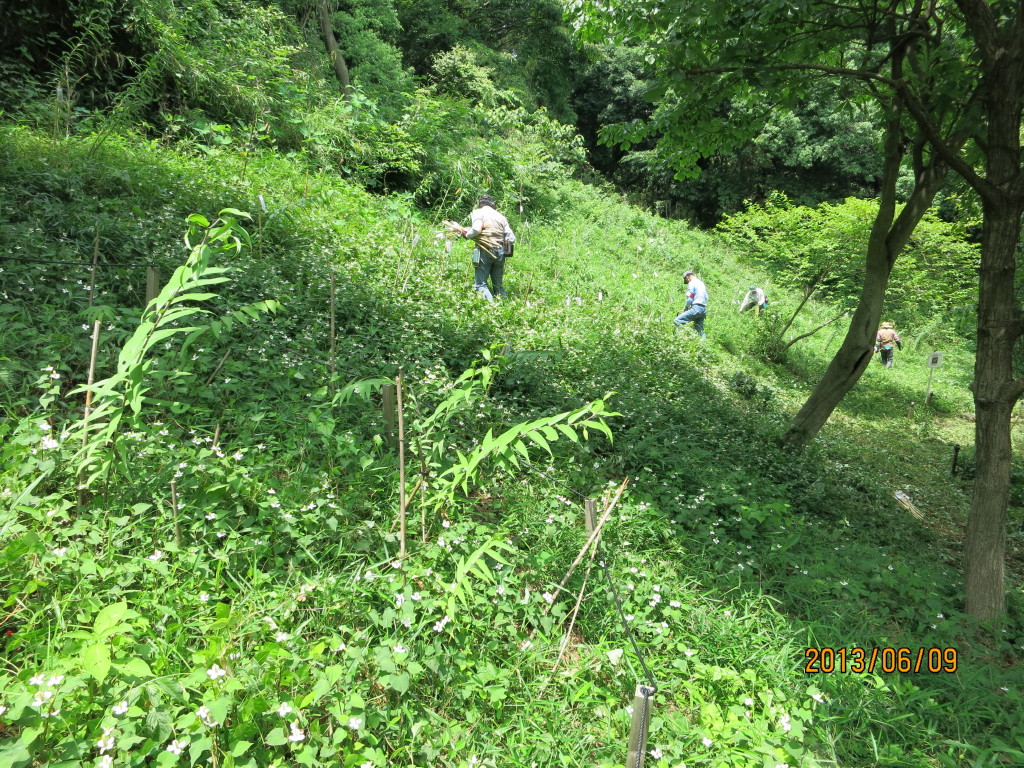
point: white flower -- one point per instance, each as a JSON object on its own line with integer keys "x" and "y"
{"x": 2, "y": 709}
{"x": 157, "y": 554}
{"x": 548, "y": 597}
{"x": 656, "y": 753}
{"x": 105, "y": 762}
{"x": 177, "y": 746}
{"x": 281, "y": 637}
{"x": 60, "y": 551}
{"x": 818, "y": 698}
{"x": 37, "y": 680}
{"x": 748, "y": 702}
{"x": 296, "y": 734}
{"x": 204, "y": 597}
{"x": 215, "y": 672}
{"x": 106, "y": 743}
{"x": 785, "y": 724}
{"x": 415, "y": 597}
{"x": 400, "y": 648}
{"x": 688, "y": 652}
{"x": 285, "y": 709}
{"x": 55, "y": 680}
{"x": 706, "y": 741}
{"x": 355, "y": 723}
{"x": 120, "y": 709}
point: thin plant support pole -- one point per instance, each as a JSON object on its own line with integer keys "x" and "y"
{"x": 928, "y": 392}
{"x": 217, "y": 369}
{"x": 333, "y": 338}
{"x": 93, "y": 353}
{"x": 640, "y": 726}
{"x": 174, "y": 512}
{"x": 92, "y": 274}
{"x": 88, "y": 398}
{"x": 401, "y": 469}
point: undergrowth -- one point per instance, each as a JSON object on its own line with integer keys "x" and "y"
{"x": 217, "y": 577}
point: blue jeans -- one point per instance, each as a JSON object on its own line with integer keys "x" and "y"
{"x": 695, "y": 315}
{"x": 488, "y": 266}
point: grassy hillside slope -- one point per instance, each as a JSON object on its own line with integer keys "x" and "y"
{"x": 229, "y": 590}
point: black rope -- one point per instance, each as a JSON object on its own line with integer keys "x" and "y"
{"x": 603, "y": 563}
{"x": 74, "y": 263}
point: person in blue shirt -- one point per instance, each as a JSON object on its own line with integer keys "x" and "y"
{"x": 696, "y": 303}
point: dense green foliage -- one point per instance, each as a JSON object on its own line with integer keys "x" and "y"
{"x": 206, "y": 566}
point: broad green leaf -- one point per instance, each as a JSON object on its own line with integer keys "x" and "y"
{"x": 95, "y": 660}
{"x": 109, "y": 616}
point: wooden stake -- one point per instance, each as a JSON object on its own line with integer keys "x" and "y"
{"x": 401, "y": 469}
{"x": 591, "y": 541}
{"x": 388, "y": 393}
{"x": 589, "y": 514}
{"x": 910, "y": 410}
{"x": 152, "y": 283}
{"x": 956, "y": 455}
{"x": 640, "y": 726}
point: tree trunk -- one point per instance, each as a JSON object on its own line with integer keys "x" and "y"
{"x": 995, "y": 394}
{"x": 999, "y": 327}
{"x": 887, "y": 240}
{"x": 340, "y": 67}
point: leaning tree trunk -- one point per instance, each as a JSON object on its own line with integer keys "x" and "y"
{"x": 331, "y": 42}
{"x": 885, "y": 243}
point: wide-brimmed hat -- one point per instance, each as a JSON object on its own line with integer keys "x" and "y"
{"x": 887, "y": 325}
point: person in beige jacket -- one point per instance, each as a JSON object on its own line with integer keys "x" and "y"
{"x": 884, "y": 341}
{"x": 490, "y": 253}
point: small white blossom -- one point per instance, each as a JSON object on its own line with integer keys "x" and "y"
{"x": 215, "y": 672}
{"x": 120, "y": 709}
{"x": 285, "y": 709}
{"x": 355, "y": 723}
{"x": 176, "y": 746}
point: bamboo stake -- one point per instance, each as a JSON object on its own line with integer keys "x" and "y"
{"x": 95, "y": 259}
{"x": 174, "y": 511}
{"x": 401, "y": 468}
{"x": 88, "y": 398}
{"x": 591, "y": 542}
{"x": 217, "y": 369}
{"x": 333, "y": 338}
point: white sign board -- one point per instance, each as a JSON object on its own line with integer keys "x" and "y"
{"x": 934, "y": 359}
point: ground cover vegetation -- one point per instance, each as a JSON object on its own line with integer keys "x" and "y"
{"x": 200, "y": 550}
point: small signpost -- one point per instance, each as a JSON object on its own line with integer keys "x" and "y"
{"x": 934, "y": 361}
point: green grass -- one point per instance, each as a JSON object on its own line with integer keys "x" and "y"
{"x": 277, "y": 551}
